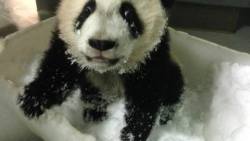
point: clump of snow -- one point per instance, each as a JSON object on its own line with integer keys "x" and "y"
{"x": 229, "y": 118}
{"x": 217, "y": 110}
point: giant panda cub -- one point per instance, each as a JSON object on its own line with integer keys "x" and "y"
{"x": 109, "y": 50}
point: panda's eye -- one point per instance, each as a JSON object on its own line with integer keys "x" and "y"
{"x": 128, "y": 13}
{"x": 88, "y": 9}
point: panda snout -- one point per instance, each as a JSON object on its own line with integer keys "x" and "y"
{"x": 102, "y": 45}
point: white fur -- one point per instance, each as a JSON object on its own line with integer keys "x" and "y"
{"x": 107, "y": 23}
{"x": 109, "y": 84}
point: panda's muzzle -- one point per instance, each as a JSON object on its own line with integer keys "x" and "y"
{"x": 102, "y": 45}
{"x": 101, "y": 59}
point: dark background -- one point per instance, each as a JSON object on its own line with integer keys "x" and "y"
{"x": 225, "y": 15}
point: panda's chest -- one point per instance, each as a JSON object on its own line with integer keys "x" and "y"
{"x": 109, "y": 86}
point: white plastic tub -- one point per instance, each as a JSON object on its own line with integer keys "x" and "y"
{"x": 216, "y": 105}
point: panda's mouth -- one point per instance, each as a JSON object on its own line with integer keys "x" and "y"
{"x": 102, "y": 60}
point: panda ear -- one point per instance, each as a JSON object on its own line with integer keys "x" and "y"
{"x": 167, "y": 3}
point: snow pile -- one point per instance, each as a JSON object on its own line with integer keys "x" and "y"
{"x": 217, "y": 111}
{"x": 229, "y": 118}
{"x": 216, "y": 102}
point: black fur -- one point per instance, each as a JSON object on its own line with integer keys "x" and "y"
{"x": 92, "y": 95}
{"x": 56, "y": 78}
{"x": 157, "y": 83}
{"x": 94, "y": 114}
{"x": 128, "y": 12}
{"x": 88, "y": 9}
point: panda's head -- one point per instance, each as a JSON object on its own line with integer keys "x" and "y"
{"x": 106, "y": 35}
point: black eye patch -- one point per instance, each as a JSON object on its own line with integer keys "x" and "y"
{"x": 128, "y": 13}
{"x": 88, "y": 9}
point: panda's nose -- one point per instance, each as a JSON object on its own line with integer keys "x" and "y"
{"x": 102, "y": 45}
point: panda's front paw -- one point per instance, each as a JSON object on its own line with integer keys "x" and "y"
{"x": 31, "y": 105}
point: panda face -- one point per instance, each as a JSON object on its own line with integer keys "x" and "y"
{"x": 106, "y": 35}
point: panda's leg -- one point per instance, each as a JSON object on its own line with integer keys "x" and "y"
{"x": 140, "y": 120}
{"x": 157, "y": 82}
{"x": 56, "y": 78}
{"x": 142, "y": 105}
{"x": 175, "y": 88}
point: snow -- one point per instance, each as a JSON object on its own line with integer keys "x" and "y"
{"x": 215, "y": 106}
